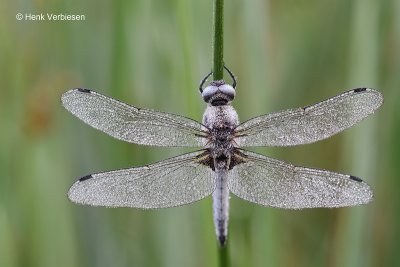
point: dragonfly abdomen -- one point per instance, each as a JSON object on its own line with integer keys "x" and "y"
{"x": 221, "y": 202}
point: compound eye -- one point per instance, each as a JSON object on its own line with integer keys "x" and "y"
{"x": 227, "y": 90}
{"x": 208, "y": 92}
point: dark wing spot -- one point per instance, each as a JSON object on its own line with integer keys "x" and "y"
{"x": 355, "y": 178}
{"x": 357, "y": 90}
{"x": 84, "y": 90}
{"x": 85, "y": 178}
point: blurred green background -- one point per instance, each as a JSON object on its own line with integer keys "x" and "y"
{"x": 153, "y": 54}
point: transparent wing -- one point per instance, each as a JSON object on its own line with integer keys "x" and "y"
{"x": 172, "y": 182}
{"x": 312, "y": 123}
{"x": 274, "y": 183}
{"x": 131, "y": 124}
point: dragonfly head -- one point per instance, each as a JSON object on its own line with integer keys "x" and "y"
{"x": 218, "y": 93}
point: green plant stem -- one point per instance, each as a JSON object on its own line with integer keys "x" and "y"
{"x": 223, "y": 256}
{"x": 218, "y": 41}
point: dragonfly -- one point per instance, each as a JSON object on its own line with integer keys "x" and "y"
{"x": 221, "y": 166}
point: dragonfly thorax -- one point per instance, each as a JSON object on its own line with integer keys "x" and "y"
{"x": 221, "y": 142}
{"x": 221, "y": 122}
